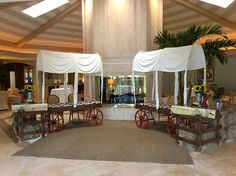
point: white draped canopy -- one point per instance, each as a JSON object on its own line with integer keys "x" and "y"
{"x": 59, "y": 62}
{"x": 171, "y": 60}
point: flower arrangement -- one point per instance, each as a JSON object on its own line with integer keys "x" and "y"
{"x": 202, "y": 94}
{"x": 200, "y": 89}
{"x": 29, "y": 88}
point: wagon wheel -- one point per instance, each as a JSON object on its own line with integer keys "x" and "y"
{"x": 171, "y": 126}
{"x": 141, "y": 119}
{"x": 55, "y": 123}
{"x": 94, "y": 117}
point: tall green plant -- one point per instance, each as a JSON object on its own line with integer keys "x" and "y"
{"x": 212, "y": 48}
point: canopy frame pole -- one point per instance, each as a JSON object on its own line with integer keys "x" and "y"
{"x": 43, "y": 87}
{"x": 157, "y": 93}
{"x": 65, "y": 86}
{"x": 204, "y": 76}
{"x": 101, "y": 86}
{"x": 37, "y": 84}
{"x": 176, "y": 88}
{"x": 133, "y": 81}
{"x": 153, "y": 85}
{"x": 75, "y": 100}
{"x": 185, "y": 88}
{"x": 90, "y": 87}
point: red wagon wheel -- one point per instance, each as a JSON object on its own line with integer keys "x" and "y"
{"x": 56, "y": 123}
{"x": 94, "y": 117}
{"x": 141, "y": 119}
{"x": 171, "y": 126}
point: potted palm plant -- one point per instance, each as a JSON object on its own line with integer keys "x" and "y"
{"x": 211, "y": 47}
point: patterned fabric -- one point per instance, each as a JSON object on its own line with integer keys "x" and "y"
{"x": 228, "y": 122}
{"x": 3, "y": 100}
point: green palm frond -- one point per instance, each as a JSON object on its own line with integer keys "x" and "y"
{"x": 191, "y": 35}
{"x": 165, "y": 39}
{"x": 213, "y": 50}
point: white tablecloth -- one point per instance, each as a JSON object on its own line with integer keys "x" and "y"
{"x": 61, "y": 93}
{"x": 68, "y": 86}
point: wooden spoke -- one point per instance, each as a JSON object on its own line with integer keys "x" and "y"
{"x": 55, "y": 122}
{"x": 171, "y": 126}
{"x": 141, "y": 119}
{"x": 94, "y": 117}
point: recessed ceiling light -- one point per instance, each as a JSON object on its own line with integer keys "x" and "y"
{"x": 221, "y": 3}
{"x": 44, "y": 7}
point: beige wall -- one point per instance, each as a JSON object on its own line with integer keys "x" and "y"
{"x": 118, "y": 29}
{"x": 225, "y": 75}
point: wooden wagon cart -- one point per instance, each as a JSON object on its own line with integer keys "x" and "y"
{"x": 196, "y": 126}
{"x": 55, "y": 115}
{"x": 145, "y": 113}
{"x": 29, "y": 121}
{"x": 91, "y": 114}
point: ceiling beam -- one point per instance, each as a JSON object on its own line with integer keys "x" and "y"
{"x": 48, "y": 24}
{"x": 202, "y": 11}
{"x": 33, "y": 48}
{"x": 11, "y": 4}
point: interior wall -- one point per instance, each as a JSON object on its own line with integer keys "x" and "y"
{"x": 117, "y": 30}
{"x": 225, "y": 75}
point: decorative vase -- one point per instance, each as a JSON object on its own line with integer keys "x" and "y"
{"x": 204, "y": 101}
{"x": 198, "y": 97}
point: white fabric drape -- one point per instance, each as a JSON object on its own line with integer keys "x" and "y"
{"x": 59, "y": 62}
{"x": 172, "y": 60}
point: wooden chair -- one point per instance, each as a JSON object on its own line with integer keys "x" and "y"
{"x": 71, "y": 100}
{"x": 53, "y": 99}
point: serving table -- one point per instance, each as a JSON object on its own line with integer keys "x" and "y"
{"x": 55, "y": 115}
{"x": 29, "y": 120}
{"x": 91, "y": 112}
{"x": 145, "y": 113}
{"x": 90, "y": 109}
{"x": 196, "y": 126}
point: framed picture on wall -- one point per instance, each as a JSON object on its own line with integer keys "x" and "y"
{"x": 210, "y": 74}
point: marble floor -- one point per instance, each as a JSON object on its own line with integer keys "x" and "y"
{"x": 219, "y": 161}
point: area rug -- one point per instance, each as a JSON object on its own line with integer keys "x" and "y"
{"x": 6, "y": 125}
{"x": 112, "y": 141}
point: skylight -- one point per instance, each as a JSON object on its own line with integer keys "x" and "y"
{"x": 44, "y": 7}
{"x": 221, "y": 3}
